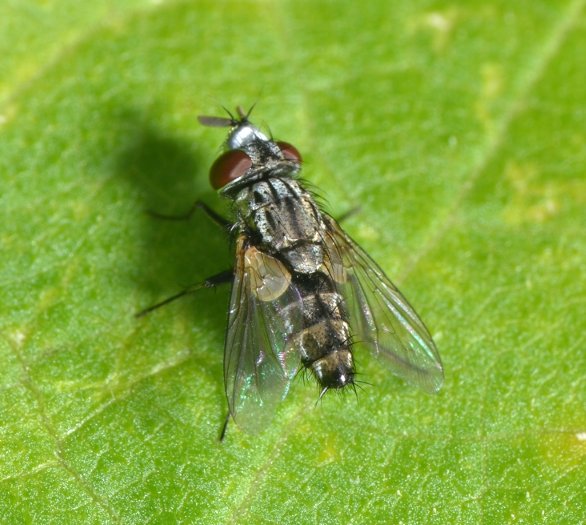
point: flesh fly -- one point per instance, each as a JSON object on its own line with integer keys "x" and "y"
{"x": 303, "y": 292}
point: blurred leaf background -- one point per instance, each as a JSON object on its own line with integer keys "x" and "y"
{"x": 460, "y": 130}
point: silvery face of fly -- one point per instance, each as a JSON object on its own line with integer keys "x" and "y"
{"x": 304, "y": 294}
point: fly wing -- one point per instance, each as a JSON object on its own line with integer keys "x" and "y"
{"x": 259, "y": 361}
{"x": 380, "y": 316}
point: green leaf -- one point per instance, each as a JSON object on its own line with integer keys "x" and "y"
{"x": 459, "y": 130}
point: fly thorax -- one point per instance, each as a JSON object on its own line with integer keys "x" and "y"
{"x": 285, "y": 220}
{"x": 306, "y": 258}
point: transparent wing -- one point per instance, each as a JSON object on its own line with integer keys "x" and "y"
{"x": 380, "y": 316}
{"x": 259, "y": 361}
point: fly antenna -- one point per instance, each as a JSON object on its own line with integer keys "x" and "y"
{"x": 223, "y": 122}
{"x": 241, "y": 114}
{"x": 215, "y": 122}
{"x": 218, "y": 122}
{"x": 245, "y": 116}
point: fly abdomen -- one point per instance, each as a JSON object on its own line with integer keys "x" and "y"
{"x": 324, "y": 342}
{"x": 335, "y": 370}
{"x": 325, "y": 349}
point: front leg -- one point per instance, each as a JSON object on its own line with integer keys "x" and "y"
{"x": 211, "y": 282}
{"x": 213, "y": 215}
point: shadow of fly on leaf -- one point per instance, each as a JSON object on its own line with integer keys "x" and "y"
{"x": 304, "y": 295}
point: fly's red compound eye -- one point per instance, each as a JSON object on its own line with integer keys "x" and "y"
{"x": 229, "y": 166}
{"x": 289, "y": 151}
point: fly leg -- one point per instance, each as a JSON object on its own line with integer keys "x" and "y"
{"x": 225, "y": 427}
{"x": 197, "y": 205}
{"x": 224, "y": 277}
{"x": 221, "y": 278}
{"x": 211, "y": 282}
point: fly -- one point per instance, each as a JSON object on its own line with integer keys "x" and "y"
{"x": 303, "y": 292}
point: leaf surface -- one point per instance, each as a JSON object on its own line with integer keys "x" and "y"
{"x": 458, "y": 129}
